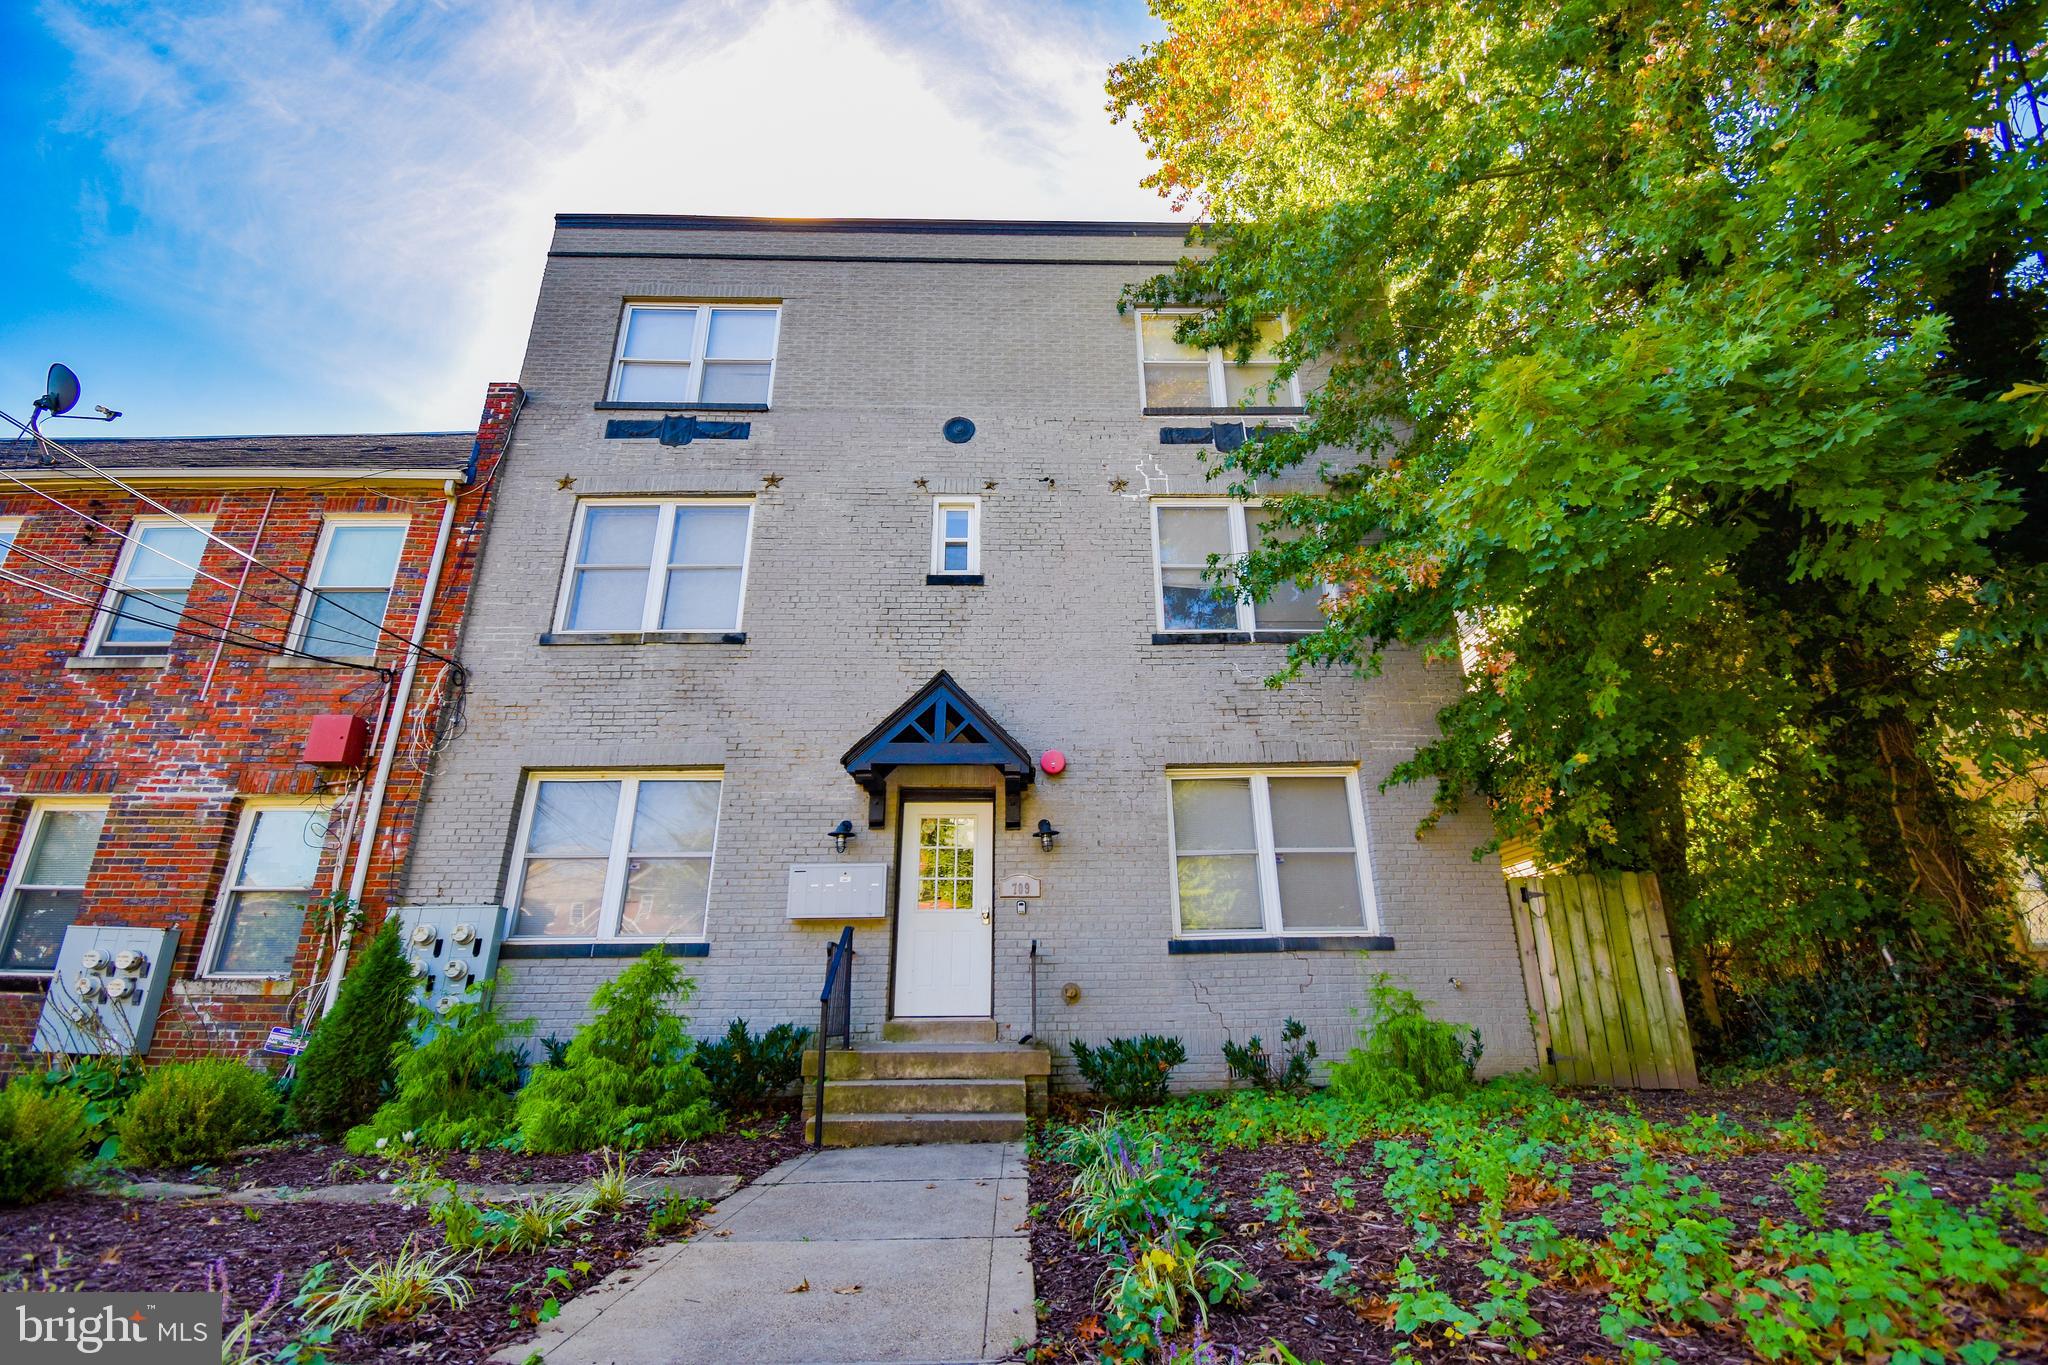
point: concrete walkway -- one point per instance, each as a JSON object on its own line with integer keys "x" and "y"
{"x": 861, "y": 1254}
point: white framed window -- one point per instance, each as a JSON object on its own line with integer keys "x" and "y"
{"x": 10, "y": 527}
{"x": 46, "y": 885}
{"x": 956, "y": 535}
{"x": 1269, "y": 851}
{"x": 647, "y": 565}
{"x": 717, "y": 354}
{"x": 615, "y": 855}
{"x": 1172, "y": 375}
{"x": 261, "y": 912}
{"x": 349, "y": 585}
{"x": 152, "y": 584}
{"x": 1185, "y": 533}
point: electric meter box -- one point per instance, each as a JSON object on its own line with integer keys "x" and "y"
{"x": 453, "y": 949}
{"x": 104, "y": 995}
{"x": 839, "y": 891}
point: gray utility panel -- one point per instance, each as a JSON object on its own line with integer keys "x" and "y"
{"x": 454, "y": 948}
{"x": 103, "y": 998}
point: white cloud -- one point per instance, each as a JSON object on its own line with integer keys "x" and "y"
{"x": 370, "y": 195}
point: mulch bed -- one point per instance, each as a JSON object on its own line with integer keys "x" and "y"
{"x": 97, "y": 1242}
{"x": 303, "y": 1163}
{"x": 1317, "y": 1326}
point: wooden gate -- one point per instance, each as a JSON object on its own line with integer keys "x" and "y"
{"x": 1603, "y": 988}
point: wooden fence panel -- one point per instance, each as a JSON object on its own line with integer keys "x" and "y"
{"x": 1602, "y": 981}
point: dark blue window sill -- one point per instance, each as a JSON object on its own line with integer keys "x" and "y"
{"x": 958, "y": 580}
{"x": 599, "y": 950}
{"x": 1228, "y": 637}
{"x": 1284, "y": 943}
{"x": 609, "y": 406}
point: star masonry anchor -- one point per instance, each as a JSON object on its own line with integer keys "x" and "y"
{"x": 566, "y": 482}
{"x": 771, "y": 481}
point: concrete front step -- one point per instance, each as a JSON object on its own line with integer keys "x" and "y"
{"x": 921, "y": 1097}
{"x": 875, "y": 1130}
{"x": 935, "y": 1062}
{"x": 939, "y": 1031}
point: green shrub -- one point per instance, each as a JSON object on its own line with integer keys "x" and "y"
{"x": 744, "y": 1070}
{"x": 104, "y": 1085}
{"x": 629, "y": 1079}
{"x": 346, "y": 1070}
{"x": 1130, "y": 1071}
{"x": 199, "y": 1111}
{"x": 1252, "y": 1064}
{"x": 454, "y": 1084}
{"x": 1403, "y": 1054}
{"x": 42, "y": 1132}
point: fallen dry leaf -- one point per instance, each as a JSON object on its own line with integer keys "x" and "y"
{"x": 846, "y": 1289}
{"x": 723, "y": 1232}
{"x": 801, "y": 1287}
{"x": 1024, "y": 1226}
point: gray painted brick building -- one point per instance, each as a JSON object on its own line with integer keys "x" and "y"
{"x": 678, "y": 645}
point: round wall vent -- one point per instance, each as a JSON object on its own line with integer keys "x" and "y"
{"x": 958, "y": 430}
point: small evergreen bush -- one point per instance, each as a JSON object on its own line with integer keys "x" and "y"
{"x": 630, "y": 1078}
{"x": 744, "y": 1070}
{"x": 1130, "y": 1071}
{"x": 1403, "y": 1054}
{"x": 189, "y": 1112}
{"x": 453, "y": 1086}
{"x": 42, "y": 1132}
{"x": 346, "y": 1070}
{"x": 1252, "y": 1064}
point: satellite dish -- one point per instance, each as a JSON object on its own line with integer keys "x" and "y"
{"x": 62, "y": 394}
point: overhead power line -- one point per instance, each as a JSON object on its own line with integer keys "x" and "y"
{"x": 47, "y": 444}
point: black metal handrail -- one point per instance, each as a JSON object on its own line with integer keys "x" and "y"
{"x": 835, "y": 1018}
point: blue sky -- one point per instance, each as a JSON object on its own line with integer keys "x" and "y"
{"x": 240, "y": 216}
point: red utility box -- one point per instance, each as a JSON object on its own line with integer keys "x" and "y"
{"x": 337, "y": 741}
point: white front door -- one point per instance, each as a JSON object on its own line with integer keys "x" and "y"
{"x": 945, "y": 935}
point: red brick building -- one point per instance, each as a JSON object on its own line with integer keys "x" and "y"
{"x": 168, "y": 651}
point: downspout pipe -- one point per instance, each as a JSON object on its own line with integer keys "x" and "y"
{"x": 394, "y": 727}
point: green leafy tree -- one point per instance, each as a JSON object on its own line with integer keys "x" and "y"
{"x": 1657, "y": 354}
{"x": 346, "y": 1070}
{"x": 629, "y": 1078}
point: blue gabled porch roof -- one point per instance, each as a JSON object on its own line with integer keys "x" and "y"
{"x": 940, "y": 724}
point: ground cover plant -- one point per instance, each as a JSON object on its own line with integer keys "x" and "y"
{"x": 1508, "y": 1221}
{"x": 1130, "y": 1070}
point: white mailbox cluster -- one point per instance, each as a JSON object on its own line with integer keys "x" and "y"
{"x": 453, "y": 949}
{"x": 838, "y": 891}
{"x": 103, "y": 997}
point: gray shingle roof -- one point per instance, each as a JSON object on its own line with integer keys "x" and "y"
{"x": 435, "y": 450}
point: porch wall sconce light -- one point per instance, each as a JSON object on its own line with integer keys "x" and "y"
{"x": 839, "y": 834}
{"x": 1046, "y": 834}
